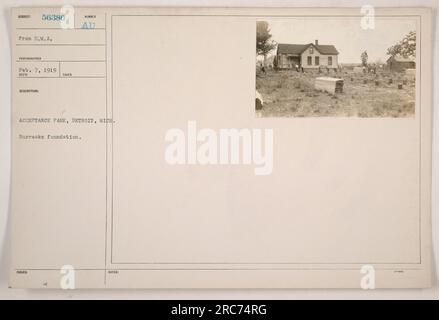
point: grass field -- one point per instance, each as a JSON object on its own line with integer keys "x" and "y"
{"x": 287, "y": 93}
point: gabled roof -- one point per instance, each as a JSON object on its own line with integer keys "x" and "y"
{"x": 300, "y": 48}
{"x": 326, "y": 49}
{"x": 291, "y": 48}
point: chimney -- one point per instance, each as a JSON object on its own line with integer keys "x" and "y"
{"x": 316, "y": 42}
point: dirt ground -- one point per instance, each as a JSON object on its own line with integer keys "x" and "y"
{"x": 288, "y": 93}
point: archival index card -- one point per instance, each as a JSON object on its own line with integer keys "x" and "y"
{"x": 221, "y": 148}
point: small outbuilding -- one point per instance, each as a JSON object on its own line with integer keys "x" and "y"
{"x": 400, "y": 63}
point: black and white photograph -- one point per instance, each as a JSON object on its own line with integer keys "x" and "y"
{"x": 335, "y": 67}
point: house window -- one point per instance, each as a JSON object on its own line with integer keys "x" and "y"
{"x": 309, "y": 61}
{"x": 317, "y": 61}
{"x": 311, "y": 50}
{"x": 329, "y": 61}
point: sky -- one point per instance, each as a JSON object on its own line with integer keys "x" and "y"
{"x": 345, "y": 33}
